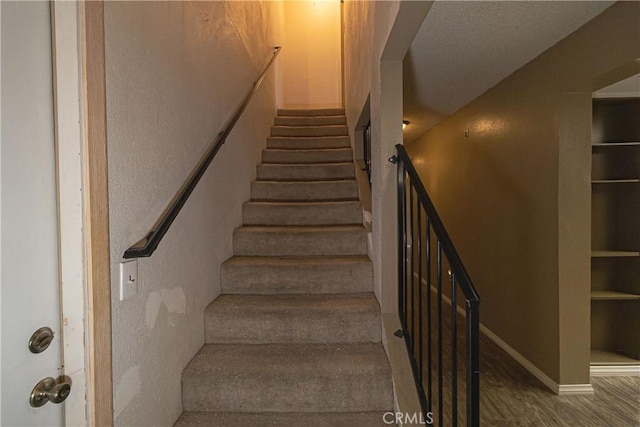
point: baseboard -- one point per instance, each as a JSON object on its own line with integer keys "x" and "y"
{"x": 615, "y": 370}
{"x": 574, "y": 389}
{"x": 559, "y": 389}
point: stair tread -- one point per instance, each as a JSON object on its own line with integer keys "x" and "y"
{"x": 345, "y": 377}
{"x": 281, "y": 419}
{"x": 308, "y": 138}
{"x": 307, "y": 165}
{"x": 310, "y": 111}
{"x": 365, "y": 302}
{"x": 304, "y": 203}
{"x": 302, "y": 213}
{"x": 308, "y": 260}
{"x": 293, "y": 318}
{"x": 300, "y": 228}
{"x": 306, "y": 275}
{"x": 315, "y": 360}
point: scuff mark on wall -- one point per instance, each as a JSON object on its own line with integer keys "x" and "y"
{"x": 153, "y": 306}
{"x": 173, "y": 299}
{"x": 128, "y": 387}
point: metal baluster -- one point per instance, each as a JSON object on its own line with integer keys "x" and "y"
{"x": 429, "y": 333}
{"x": 454, "y": 352}
{"x": 412, "y": 280}
{"x": 420, "y": 315}
{"x": 439, "y": 302}
{"x": 473, "y": 364}
{"x": 402, "y": 241}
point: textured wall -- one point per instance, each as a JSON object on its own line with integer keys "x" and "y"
{"x": 175, "y": 71}
{"x": 310, "y": 70}
{"x": 515, "y": 195}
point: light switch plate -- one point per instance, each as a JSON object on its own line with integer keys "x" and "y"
{"x": 128, "y": 278}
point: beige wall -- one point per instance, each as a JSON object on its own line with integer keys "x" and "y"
{"x": 175, "y": 71}
{"x": 309, "y": 72}
{"x": 515, "y": 195}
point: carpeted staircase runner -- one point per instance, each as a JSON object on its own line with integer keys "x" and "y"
{"x": 295, "y": 337}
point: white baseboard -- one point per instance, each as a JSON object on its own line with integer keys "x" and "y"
{"x": 560, "y": 389}
{"x": 574, "y": 389}
{"x": 615, "y": 370}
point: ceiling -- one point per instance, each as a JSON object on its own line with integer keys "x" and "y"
{"x": 466, "y": 47}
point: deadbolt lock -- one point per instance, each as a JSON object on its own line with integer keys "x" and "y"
{"x": 40, "y": 340}
{"x": 50, "y": 390}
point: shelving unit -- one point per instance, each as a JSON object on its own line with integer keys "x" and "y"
{"x": 615, "y": 233}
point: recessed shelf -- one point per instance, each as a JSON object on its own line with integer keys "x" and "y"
{"x": 615, "y": 209}
{"x": 614, "y": 254}
{"x": 616, "y": 181}
{"x": 616, "y": 144}
{"x": 604, "y": 357}
{"x": 602, "y": 295}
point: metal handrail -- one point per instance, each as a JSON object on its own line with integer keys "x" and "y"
{"x": 147, "y": 245}
{"x": 407, "y": 288}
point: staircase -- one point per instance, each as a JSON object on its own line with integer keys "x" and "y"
{"x": 295, "y": 337}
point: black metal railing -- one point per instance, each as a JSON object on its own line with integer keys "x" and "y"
{"x": 366, "y": 149}
{"x": 431, "y": 313}
{"x": 147, "y": 245}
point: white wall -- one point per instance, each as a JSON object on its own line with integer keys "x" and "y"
{"x": 175, "y": 71}
{"x": 377, "y": 36}
{"x": 310, "y": 67}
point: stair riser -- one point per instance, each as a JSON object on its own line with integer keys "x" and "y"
{"x": 309, "y": 278}
{"x": 310, "y": 121}
{"x": 313, "y": 172}
{"x": 283, "y": 419}
{"x": 230, "y": 324}
{"x": 311, "y": 214}
{"x": 305, "y": 131}
{"x": 313, "y": 143}
{"x": 313, "y": 112}
{"x": 265, "y": 243}
{"x": 307, "y": 156}
{"x": 304, "y": 191}
{"x": 255, "y": 393}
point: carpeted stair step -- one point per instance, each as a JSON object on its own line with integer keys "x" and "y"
{"x": 307, "y": 275}
{"x": 305, "y": 172}
{"x": 310, "y": 120}
{"x": 300, "y": 241}
{"x": 283, "y": 419}
{"x": 299, "y": 319}
{"x": 302, "y": 213}
{"x": 327, "y": 155}
{"x": 311, "y": 112}
{"x": 288, "y": 377}
{"x": 336, "y": 130}
{"x": 307, "y": 143}
{"x": 304, "y": 191}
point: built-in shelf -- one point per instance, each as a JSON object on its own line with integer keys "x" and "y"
{"x": 615, "y": 209}
{"x": 616, "y": 181}
{"x": 614, "y": 254}
{"x": 605, "y": 295}
{"x": 603, "y": 357}
{"x": 617, "y": 144}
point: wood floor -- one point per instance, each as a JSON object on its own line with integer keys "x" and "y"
{"x": 511, "y": 396}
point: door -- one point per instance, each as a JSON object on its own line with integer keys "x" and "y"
{"x": 29, "y": 231}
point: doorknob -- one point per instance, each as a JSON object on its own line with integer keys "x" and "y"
{"x": 50, "y": 390}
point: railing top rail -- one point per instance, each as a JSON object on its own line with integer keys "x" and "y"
{"x": 447, "y": 245}
{"x": 148, "y": 244}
